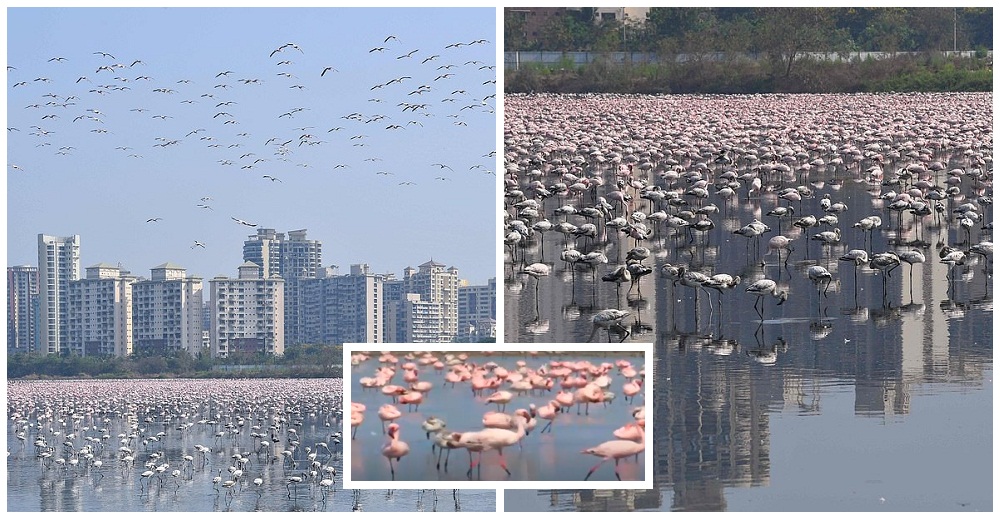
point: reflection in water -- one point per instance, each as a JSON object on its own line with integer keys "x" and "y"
{"x": 726, "y": 379}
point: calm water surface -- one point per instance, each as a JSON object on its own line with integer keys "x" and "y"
{"x": 163, "y": 420}
{"x": 846, "y": 402}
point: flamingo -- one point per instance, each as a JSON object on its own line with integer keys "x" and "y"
{"x": 912, "y": 257}
{"x": 617, "y": 450}
{"x": 779, "y": 242}
{"x": 412, "y": 398}
{"x": 388, "y": 413}
{"x": 858, "y": 257}
{"x": 356, "y": 419}
{"x": 432, "y": 425}
{"x": 610, "y": 319}
{"x": 764, "y": 287}
{"x": 501, "y": 397}
{"x": 497, "y": 439}
{"x": 885, "y": 262}
{"x": 631, "y": 389}
{"x": 394, "y": 448}
{"x": 818, "y": 274}
{"x": 442, "y": 440}
{"x": 549, "y": 412}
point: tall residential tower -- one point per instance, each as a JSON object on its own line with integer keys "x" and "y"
{"x": 22, "y": 309}
{"x": 58, "y": 265}
{"x": 294, "y": 258}
{"x": 167, "y": 311}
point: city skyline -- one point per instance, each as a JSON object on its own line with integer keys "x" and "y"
{"x": 145, "y": 144}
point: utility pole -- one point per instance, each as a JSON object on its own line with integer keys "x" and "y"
{"x": 956, "y": 29}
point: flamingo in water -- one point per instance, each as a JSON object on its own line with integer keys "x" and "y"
{"x": 492, "y": 439}
{"x": 394, "y": 448}
{"x": 618, "y": 449}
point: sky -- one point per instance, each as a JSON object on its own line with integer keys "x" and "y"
{"x": 375, "y": 129}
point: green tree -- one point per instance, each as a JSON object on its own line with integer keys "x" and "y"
{"x": 514, "y": 36}
{"x": 785, "y": 33}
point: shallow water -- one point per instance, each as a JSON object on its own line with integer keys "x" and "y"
{"x": 846, "y": 402}
{"x": 177, "y": 408}
{"x": 542, "y": 456}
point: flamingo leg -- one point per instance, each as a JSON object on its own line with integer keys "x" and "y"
{"x": 503, "y": 462}
{"x": 589, "y": 473}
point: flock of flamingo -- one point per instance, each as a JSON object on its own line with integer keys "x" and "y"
{"x": 242, "y": 444}
{"x": 548, "y": 385}
{"x": 682, "y": 187}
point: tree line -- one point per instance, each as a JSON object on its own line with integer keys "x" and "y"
{"x": 716, "y": 41}
{"x": 695, "y": 30}
{"x": 301, "y": 361}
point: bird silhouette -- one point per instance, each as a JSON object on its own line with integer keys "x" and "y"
{"x": 241, "y": 221}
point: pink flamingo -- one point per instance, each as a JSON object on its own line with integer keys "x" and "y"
{"x": 412, "y": 398}
{"x": 531, "y": 422}
{"x": 632, "y": 388}
{"x": 617, "y": 450}
{"x": 394, "y": 391}
{"x": 497, "y": 439}
{"x": 388, "y": 413}
{"x": 548, "y": 412}
{"x": 453, "y": 377}
{"x": 590, "y": 393}
{"x": 422, "y": 386}
{"x": 356, "y": 419}
{"x": 394, "y": 448}
{"x": 565, "y": 399}
{"x": 500, "y": 398}
{"x": 498, "y": 420}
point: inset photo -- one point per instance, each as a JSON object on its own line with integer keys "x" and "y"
{"x": 565, "y": 416}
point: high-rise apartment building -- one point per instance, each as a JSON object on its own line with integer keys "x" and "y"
{"x": 293, "y": 258}
{"x": 247, "y": 313}
{"x": 99, "y": 312}
{"x": 436, "y": 284}
{"x": 340, "y": 309}
{"x": 58, "y": 265}
{"x": 167, "y": 311}
{"x": 22, "y": 309}
{"x": 415, "y": 320}
{"x": 477, "y": 310}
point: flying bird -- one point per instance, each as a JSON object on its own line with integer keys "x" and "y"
{"x": 155, "y": 219}
{"x": 327, "y": 69}
{"x": 241, "y": 221}
{"x": 272, "y": 178}
{"x": 197, "y": 244}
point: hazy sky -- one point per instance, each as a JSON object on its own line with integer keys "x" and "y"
{"x": 119, "y": 115}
